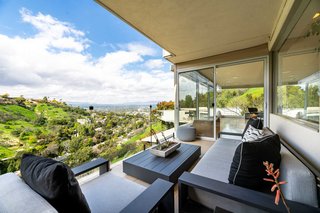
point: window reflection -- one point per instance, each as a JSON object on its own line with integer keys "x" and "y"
{"x": 298, "y": 91}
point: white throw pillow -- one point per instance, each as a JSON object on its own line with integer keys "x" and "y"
{"x": 252, "y": 134}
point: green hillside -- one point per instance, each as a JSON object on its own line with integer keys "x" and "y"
{"x": 241, "y": 99}
{"x": 51, "y": 112}
{"x": 20, "y": 128}
{"x": 19, "y": 111}
{"x": 255, "y": 92}
{"x": 54, "y": 129}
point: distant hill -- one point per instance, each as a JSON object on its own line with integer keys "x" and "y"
{"x": 125, "y": 107}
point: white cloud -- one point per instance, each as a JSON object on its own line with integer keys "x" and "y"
{"x": 55, "y": 62}
{"x": 141, "y": 49}
{"x": 55, "y": 33}
{"x": 155, "y": 63}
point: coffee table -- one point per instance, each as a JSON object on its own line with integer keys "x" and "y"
{"x": 148, "y": 167}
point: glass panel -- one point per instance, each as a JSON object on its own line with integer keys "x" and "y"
{"x": 195, "y": 100}
{"x": 187, "y": 97}
{"x": 240, "y": 95}
{"x": 298, "y": 91}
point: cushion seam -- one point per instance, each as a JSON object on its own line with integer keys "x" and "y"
{"x": 235, "y": 176}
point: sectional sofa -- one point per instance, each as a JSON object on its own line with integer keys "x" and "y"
{"x": 208, "y": 185}
{"x": 105, "y": 193}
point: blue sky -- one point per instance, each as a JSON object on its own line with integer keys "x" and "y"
{"x": 77, "y": 51}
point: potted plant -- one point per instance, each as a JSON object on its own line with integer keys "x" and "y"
{"x": 163, "y": 149}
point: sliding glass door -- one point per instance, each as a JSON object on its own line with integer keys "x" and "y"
{"x": 222, "y": 98}
{"x": 196, "y": 100}
{"x": 240, "y": 94}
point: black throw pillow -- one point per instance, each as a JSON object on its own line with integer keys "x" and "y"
{"x": 255, "y": 122}
{"x": 55, "y": 182}
{"x": 247, "y": 167}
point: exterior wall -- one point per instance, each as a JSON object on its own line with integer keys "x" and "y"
{"x": 167, "y": 115}
{"x": 306, "y": 141}
{"x": 251, "y": 52}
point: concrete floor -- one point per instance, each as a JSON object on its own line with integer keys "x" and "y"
{"x": 116, "y": 169}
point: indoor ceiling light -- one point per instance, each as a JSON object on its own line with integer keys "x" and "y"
{"x": 316, "y": 15}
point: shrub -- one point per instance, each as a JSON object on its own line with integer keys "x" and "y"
{"x": 82, "y": 155}
{"x": 5, "y": 95}
{"x": 40, "y": 120}
{"x": 16, "y": 132}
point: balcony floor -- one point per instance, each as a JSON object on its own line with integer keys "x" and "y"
{"x": 116, "y": 169}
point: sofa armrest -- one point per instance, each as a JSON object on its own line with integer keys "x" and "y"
{"x": 102, "y": 163}
{"x": 240, "y": 194}
{"x": 229, "y": 133}
{"x": 158, "y": 195}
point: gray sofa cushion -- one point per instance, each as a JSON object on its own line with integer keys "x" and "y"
{"x": 110, "y": 193}
{"x": 215, "y": 164}
{"x": 301, "y": 186}
{"x": 16, "y": 196}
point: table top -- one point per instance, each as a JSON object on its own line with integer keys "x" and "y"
{"x": 167, "y": 165}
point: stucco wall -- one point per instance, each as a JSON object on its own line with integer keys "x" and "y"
{"x": 305, "y": 140}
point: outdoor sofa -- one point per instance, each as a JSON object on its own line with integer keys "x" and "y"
{"x": 105, "y": 193}
{"x": 207, "y": 186}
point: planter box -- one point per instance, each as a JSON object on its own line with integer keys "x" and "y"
{"x": 165, "y": 152}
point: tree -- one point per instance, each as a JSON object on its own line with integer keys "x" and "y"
{"x": 313, "y": 96}
{"x": 82, "y": 155}
{"x": 40, "y": 120}
{"x": 20, "y": 101}
{"x": 75, "y": 144}
{"x": 5, "y": 95}
{"x": 45, "y": 99}
{"x": 165, "y": 105}
{"x": 52, "y": 150}
{"x": 187, "y": 102}
{"x": 241, "y": 99}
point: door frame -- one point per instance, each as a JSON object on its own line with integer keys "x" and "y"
{"x": 267, "y": 87}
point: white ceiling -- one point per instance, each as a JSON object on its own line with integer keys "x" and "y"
{"x": 298, "y": 66}
{"x": 196, "y": 29}
{"x": 245, "y": 75}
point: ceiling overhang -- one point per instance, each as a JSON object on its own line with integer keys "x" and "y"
{"x": 190, "y": 30}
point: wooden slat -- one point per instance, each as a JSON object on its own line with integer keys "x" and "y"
{"x": 150, "y": 167}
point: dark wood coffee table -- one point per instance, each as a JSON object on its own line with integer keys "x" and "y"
{"x": 147, "y": 167}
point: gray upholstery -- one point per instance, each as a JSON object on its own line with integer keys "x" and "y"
{"x": 215, "y": 164}
{"x": 267, "y": 131}
{"x": 16, "y": 196}
{"x": 186, "y": 132}
{"x": 110, "y": 193}
{"x": 107, "y": 193}
{"x": 301, "y": 186}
